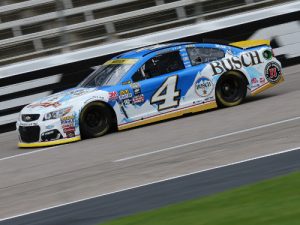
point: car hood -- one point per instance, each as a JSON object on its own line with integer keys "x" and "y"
{"x": 64, "y": 99}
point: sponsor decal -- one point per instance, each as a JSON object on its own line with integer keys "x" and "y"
{"x": 45, "y": 104}
{"x": 262, "y": 80}
{"x": 267, "y": 54}
{"x": 67, "y": 119}
{"x": 53, "y": 99}
{"x": 137, "y": 91}
{"x": 138, "y": 99}
{"x": 67, "y": 110}
{"x": 235, "y": 63}
{"x": 126, "y": 82}
{"x": 134, "y": 85}
{"x": 79, "y": 92}
{"x": 121, "y": 61}
{"x": 254, "y": 80}
{"x": 127, "y": 101}
{"x": 28, "y": 124}
{"x": 204, "y": 86}
{"x": 124, "y": 94}
{"x": 112, "y": 95}
{"x": 273, "y": 72}
{"x": 69, "y": 131}
{"x": 198, "y": 102}
{"x": 136, "y": 88}
{"x": 208, "y": 99}
{"x": 68, "y": 125}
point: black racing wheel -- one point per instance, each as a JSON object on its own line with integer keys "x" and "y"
{"x": 231, "y": 89}
{"x": 95, "y": 120}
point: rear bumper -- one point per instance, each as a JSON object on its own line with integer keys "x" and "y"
{"x": 266, "y": 86}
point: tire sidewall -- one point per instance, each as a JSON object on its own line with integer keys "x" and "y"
{"x": 221, "y": 101}
{"x": 85, "y": 130}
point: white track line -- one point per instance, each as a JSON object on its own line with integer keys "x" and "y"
{"x": 165, "y": 149}
{"x": 206, "y": 140}
{"x": 155, "y": 182}
{"x": 29, "y": 153}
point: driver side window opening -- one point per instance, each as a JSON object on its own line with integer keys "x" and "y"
{"x": 200, "y": 55}
{"x": 159, "y": 65}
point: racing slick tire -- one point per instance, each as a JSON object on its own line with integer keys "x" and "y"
{"x": 95, "y": 120}
{"x": 231, "y": 89}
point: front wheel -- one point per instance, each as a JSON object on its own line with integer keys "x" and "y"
{"x": 95, "y": 120}
{"x": 231, "y": 89}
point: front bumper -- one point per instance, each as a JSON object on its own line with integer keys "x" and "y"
{"x": 48, "y": 143}
{"x": 40, "y": 133}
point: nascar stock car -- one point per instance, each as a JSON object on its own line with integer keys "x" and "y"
{"x": 148, "y": 85}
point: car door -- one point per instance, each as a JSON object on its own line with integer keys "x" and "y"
{"x": 202, "y": 90}
{"x": 155, "y": 86}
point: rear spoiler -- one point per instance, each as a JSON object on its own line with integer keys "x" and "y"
{"x": 250, "y": 43}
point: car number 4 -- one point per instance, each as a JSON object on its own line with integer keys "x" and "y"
{"x": 167, "y": 95}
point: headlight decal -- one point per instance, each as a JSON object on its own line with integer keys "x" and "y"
{"x": 57, "y": 114}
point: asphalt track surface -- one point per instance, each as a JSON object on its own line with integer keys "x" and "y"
{"x": 32, "y": 180}
{"x": 103, "y": 208}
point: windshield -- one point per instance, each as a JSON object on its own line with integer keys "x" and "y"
{"x": 106, "y": 75}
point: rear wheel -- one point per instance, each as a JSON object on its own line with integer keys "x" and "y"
{"x": 231, "y": 89}
{"x": 95, "y": 120}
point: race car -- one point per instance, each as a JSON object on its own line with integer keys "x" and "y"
{"x": 151, "y": 84}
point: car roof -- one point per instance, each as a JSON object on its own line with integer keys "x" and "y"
{"x": 140, "y": 52}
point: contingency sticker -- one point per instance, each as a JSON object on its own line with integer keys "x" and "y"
{"x": 204, "y": 87}
{"x": 272, "y": 72}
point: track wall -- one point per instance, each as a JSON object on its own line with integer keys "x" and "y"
{"x": 25, "y": 82}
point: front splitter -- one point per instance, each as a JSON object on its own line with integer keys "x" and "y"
{"x": 48, "y": 143}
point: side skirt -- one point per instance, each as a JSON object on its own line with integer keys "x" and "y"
{"x": 169, "y": 115}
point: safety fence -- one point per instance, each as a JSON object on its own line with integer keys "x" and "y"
{"x": 34, "y": 28}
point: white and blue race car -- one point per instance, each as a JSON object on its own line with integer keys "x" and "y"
{"x": 148, "y": 85}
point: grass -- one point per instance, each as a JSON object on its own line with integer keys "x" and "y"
{"x": 271, "y": 202}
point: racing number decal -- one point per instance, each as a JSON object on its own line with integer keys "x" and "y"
{"x": 166, "y": 95}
